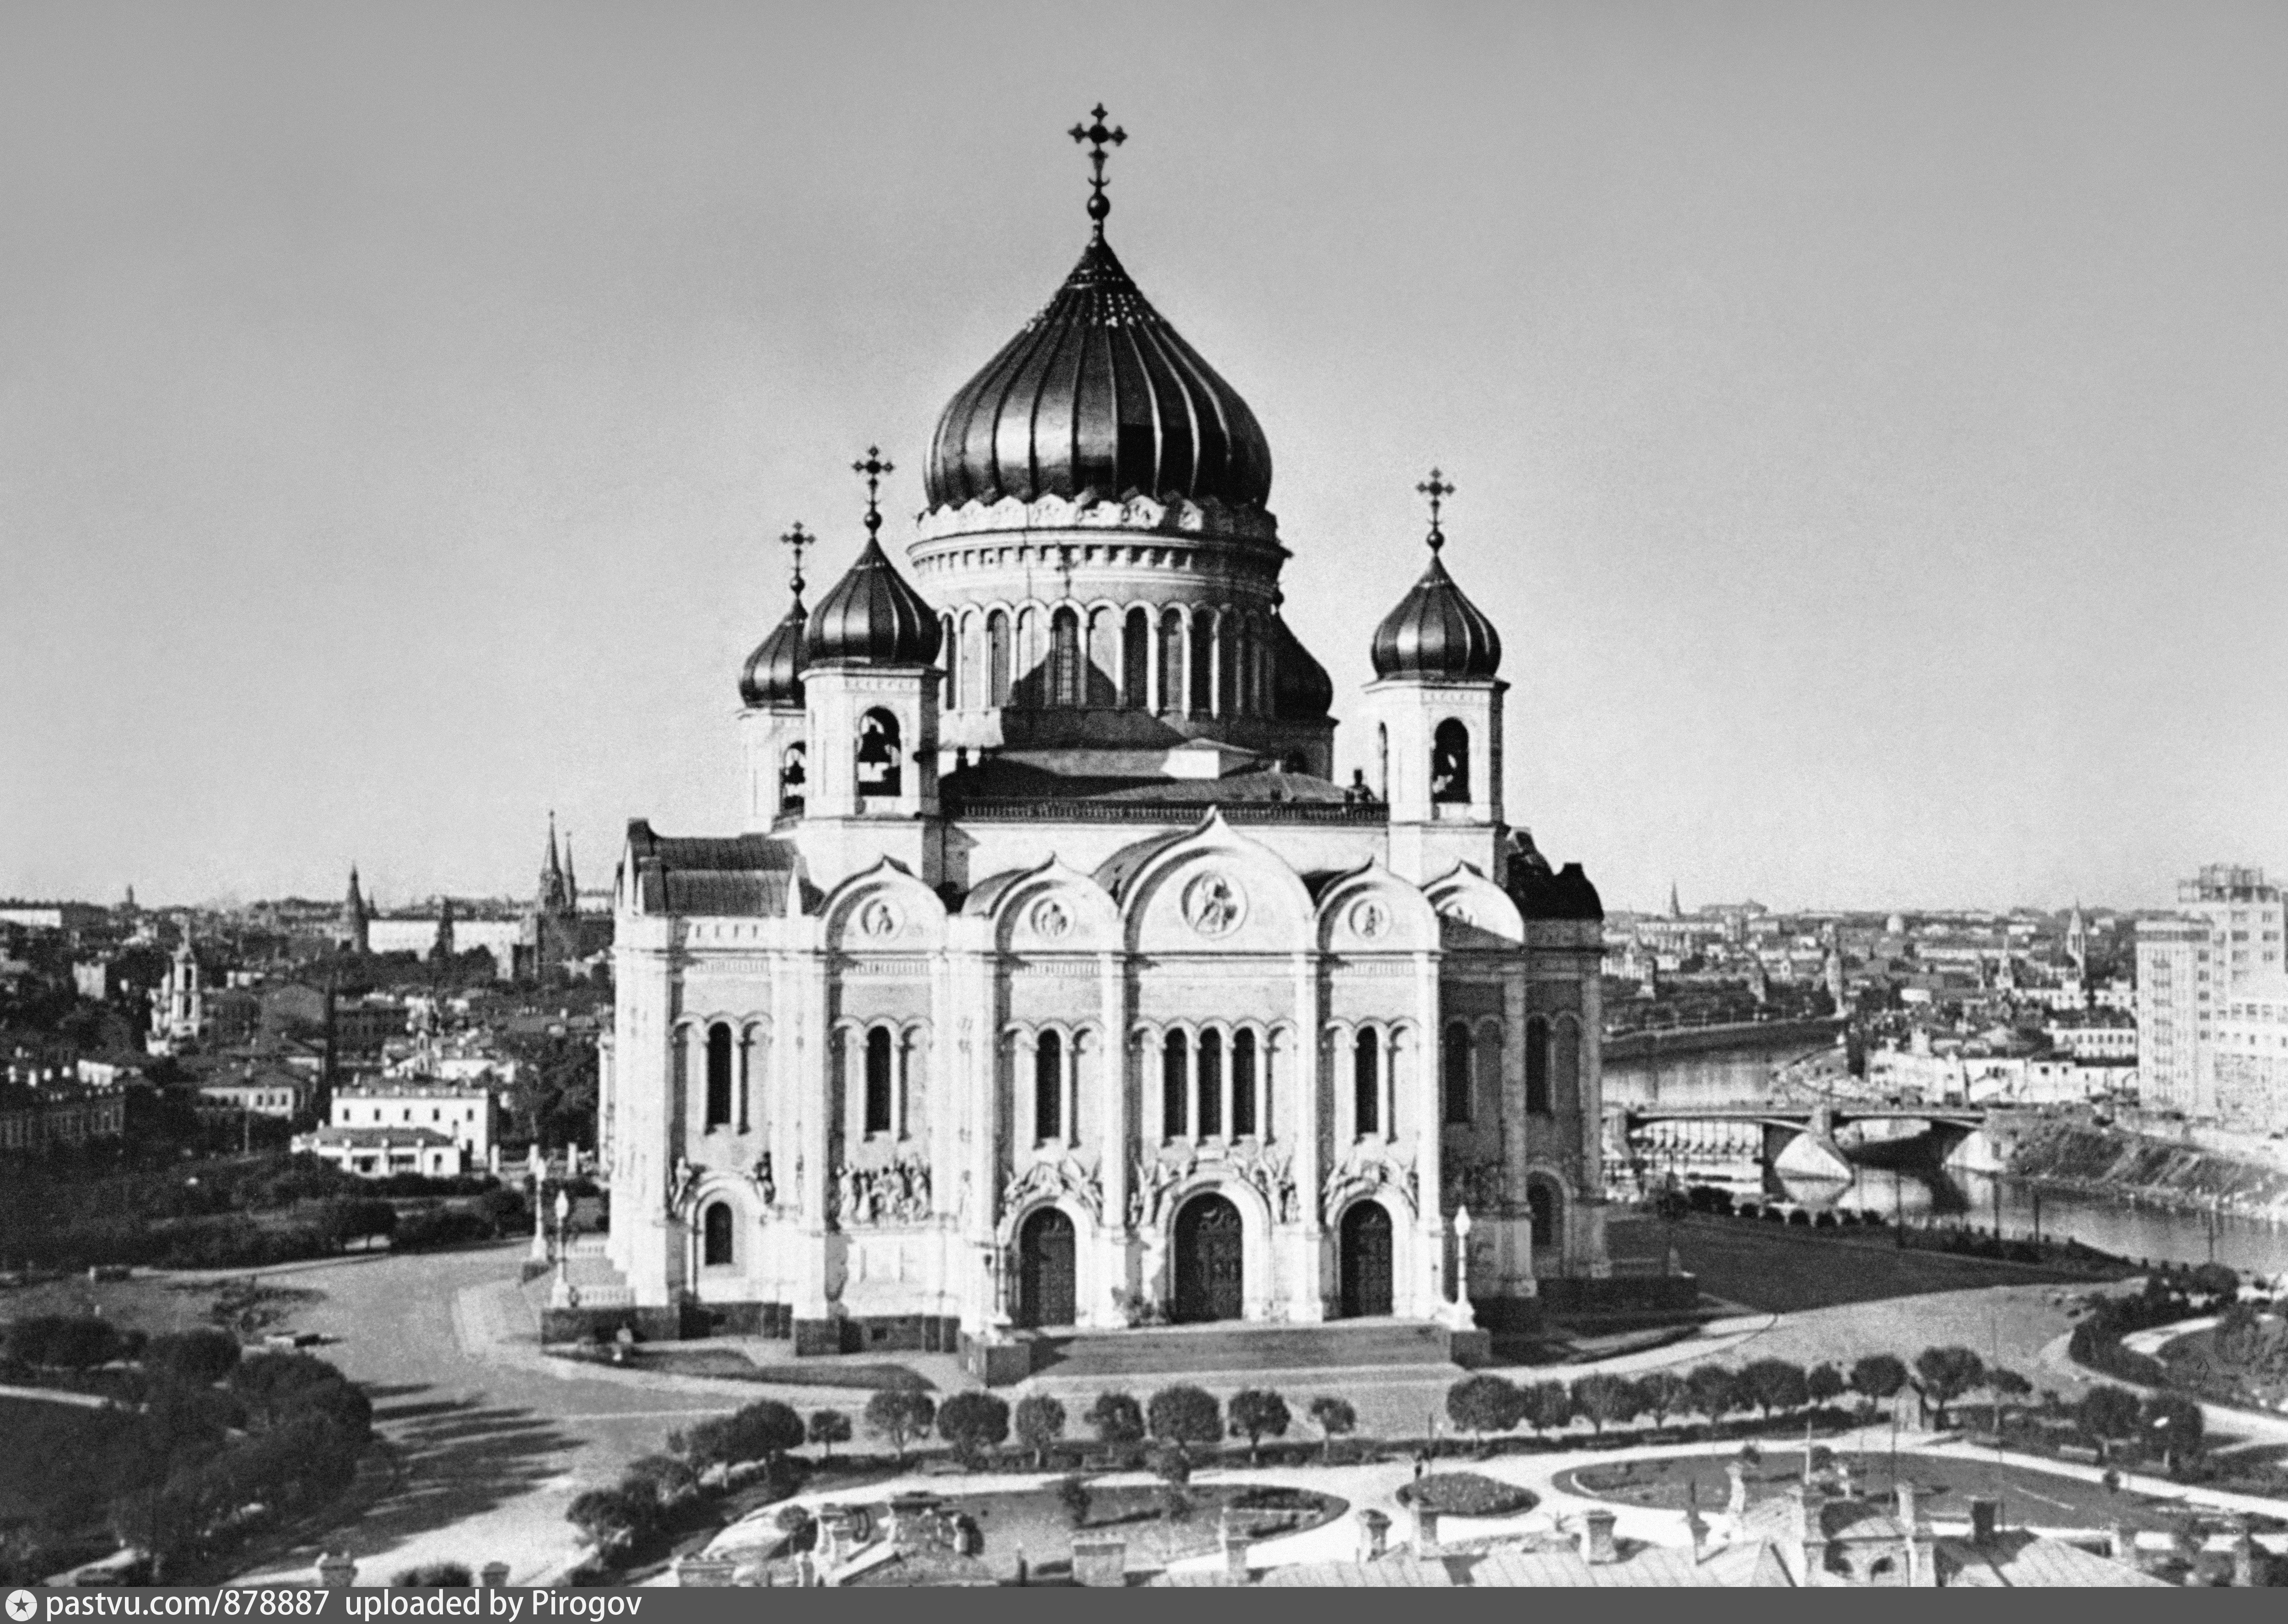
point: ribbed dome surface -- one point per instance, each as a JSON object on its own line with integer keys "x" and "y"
{"x": 773, "y": 674}
{"x": 1301, "y": 690}
{"x": 1436, "y": 631}
{"x": 873, "y": 615}
{"x": 1098, "y": 392}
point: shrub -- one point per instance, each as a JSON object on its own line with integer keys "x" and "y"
{"x": 1257, "y": 1413}
{"x": 668, "y": 1481}
{"x": 1073, "y": 1495}
{"x": 613, "y": 1519}
{"x": 432, "y": 1576}
{"x": 1040, "y": 1423}
{"x": 1547, "y": 1406}
{"x": 1482, "y": 1403}
{"x": 2170, "y": 1423}
{"x": 65, "y": 1342}
{"x": 901, "y": 1415}
{"x": 1335, "y": 1418}
{"x": 973, "y": 1422}
{"x": 201, "y": 1357}
{"x": 1116, "y": 1418}
{"x": 1184, "y": 1414}
{"x": 829, "y": 1427}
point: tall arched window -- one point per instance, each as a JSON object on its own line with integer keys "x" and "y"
{"x": 1136, "y": 661}
{"x": 792, "y": 778}
{"x": 880, "y": 770}
{"x": 881, "y": 1078}
{"x": 1381, "y": 761}
{"x": 1048, "y": 1087}
{"x": 1243, "y": 667}
{"x": 1458, "y": 1073}
{"x": 1450, "y": 764}
{"x": 949, "y": 661}
{"x": 1210, "y": 1070}
{"x": 1565, "y": 1067}
{"x": 718, "y": 1075}
{"x": 1536, "y": 1066}
{"x": 1064, "y": 659}
{"x": 1201, "y": 689}
{"x": 715, "y": 1235}
{"x": 1175, "y": 1110}
{"x": 1245, "y": 1116}
{"x": 1366, "y": 1081}
{"x": 1172, "y": 663}
{"x": 996, "y": 656}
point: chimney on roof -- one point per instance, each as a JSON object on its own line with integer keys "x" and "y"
{"x": 2121, "y": 1542}
{"x": 1374, "y": 1533}
{"x": 1425, "y": 1527}
{"x": 1234, "y": 1551}
{"x": 2244, "y": 1554}
{"x": 1597, "y": 1547}
{"x": 1985, "y": 1519}
{"x": 1906, "y": 1492}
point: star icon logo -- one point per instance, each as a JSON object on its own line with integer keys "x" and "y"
{"x": 23, "y": 1606}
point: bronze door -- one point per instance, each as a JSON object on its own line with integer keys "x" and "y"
{"x": 1045, "y": 1270}
{"x": 1207, "y": 1260}
{"x": 1366, "y": 1260}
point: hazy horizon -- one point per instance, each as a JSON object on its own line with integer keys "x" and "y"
{"x": 1867, "y": 422}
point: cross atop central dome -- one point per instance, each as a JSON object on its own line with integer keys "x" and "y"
{"x": 1098, "y": 393}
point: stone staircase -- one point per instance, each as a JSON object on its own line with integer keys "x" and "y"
{"x": 591, "y": 1275}
{"x": 1186, "y": 1350}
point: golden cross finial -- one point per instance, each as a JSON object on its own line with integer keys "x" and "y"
{"x": 1097, "y": 135}
{"x": 1437, "y": 488}
{"x": 873, "y": 467}
{"x": 797, "y": 540}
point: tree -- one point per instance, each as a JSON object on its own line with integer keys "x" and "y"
{"x": 1257, "y": 1413}
{"x": 1072, "y": 1494}
{"x": 2004, "y": 1383}
{"x": 973, "y": 1422}
{"x": 1823, "y": 1383}
{"x": 763, "y": 1431}
{"x": 1482, "y": 1404}
{"x": 668, "y": 1480}
{"x": 1604, "y": 1397}
{"x": 1663, "y": 1393}
{"x": 614, "y": 1518}
{"x": 1715, "y": 1391}
{"x": 2170, "y": 1423}
{"x": 829, "y": 1427}
{"x": 432, "y": 1576}
{"x": 901, "y": 1415}
{"x": 1335, "y": 1418}
{"x": 65, "y": 1342}
{"x": 2107, "y": 1415}
{"x": 2216, "y": 1281}
{"x": 1040, "y": 1423}
{"x": 1773, "y": 1384}
{"x": 1548, "y": 1406}
{"x": 1116, "y": 1418}
{"x": 1876, "y": 1377}
{"x": 1944, "y": 1374}
{"x": 201, "y": 1356}
{"x": 1184, "y": 1414}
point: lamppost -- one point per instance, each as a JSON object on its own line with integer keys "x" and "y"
{"x": 563, "y": 1218}
{"x": 539, "y": 1176}
{"x": 1463, "y": 1315}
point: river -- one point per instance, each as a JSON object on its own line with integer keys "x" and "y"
{"x": 1746, "y": 1076}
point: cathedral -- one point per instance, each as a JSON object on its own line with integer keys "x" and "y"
{"x": 1056, "y": 981}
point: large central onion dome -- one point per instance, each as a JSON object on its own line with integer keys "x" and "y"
{"x": 1098, "y": 393}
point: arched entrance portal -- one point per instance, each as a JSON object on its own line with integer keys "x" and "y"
{"x": 1045, "y": 1270}
{"x": 1207, "y": 1260}
{"x": 1366, "y": 1260}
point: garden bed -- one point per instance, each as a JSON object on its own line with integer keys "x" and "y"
{"x": 730, "y": 1365}
{"x": 1468, "y": 1494}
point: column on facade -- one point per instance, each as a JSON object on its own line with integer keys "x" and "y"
{"x": 1226, "y": 1052}
{"x": 1068, "y": 1088}
{"x": 810, "y": 1063}
{"x": 1385, "y": 1085}
{"x": 1189, "y": 1044}
{"x": 1112, "y": 1126}
{"x": 1302, "y": 1081}
{"x": 1025, "y": 1089}
{"x": 1217, "y": 627}
{"x": 1428, "y": 1161}
{"x": 1335, "y": 1047}
{"x": 742, "y": 1059}
{"x": 901, "y": 1083}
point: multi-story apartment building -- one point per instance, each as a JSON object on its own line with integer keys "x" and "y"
{"x": 2249, "y": 1056}
{"x": 2226, "y": 932}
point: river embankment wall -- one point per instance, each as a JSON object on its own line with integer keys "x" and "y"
{"x": 2172, "y": 1172}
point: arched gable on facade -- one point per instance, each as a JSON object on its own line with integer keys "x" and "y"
{"x": 1371, "y": 910}
{"x": 1473, "y": 912}
{"x": 1053, "y": 908}
{"x": 1212, "y": 889}
{"x": 883, "y": 908}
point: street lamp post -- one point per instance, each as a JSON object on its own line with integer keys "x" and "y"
{"x": 563, "y": 1218}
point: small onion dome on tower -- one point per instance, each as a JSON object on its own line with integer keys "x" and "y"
{"x": 873, "y": 615}
{"x": 773, "y": 674}
{"x": 1098, "y": 393}
{"x": 1301, "y": 690}
{"x": 1436, "y": 631}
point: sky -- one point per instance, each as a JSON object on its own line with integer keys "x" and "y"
{"x": 1868, "y": 421}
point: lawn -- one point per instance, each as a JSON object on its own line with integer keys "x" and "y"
{"x": 1031, "y": 1525}
{"x": 1944, "y": 1487}
{"x": 152, "y": 1304}
{"x": 730, "y": 1365}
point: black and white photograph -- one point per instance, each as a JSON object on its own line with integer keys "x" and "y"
{"x": 1472, "y": 794}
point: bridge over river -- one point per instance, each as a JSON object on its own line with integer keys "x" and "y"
{"x": 1801, "y": 1139}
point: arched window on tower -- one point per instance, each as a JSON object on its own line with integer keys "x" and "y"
{"x": 718, "y": 1075}
{"x": 996, "y": 656}
{"x": 792, "y": 778}
{"x": 1064, "y": 659}
{"x": 949, "y": 662}
{"x": 1201, "y": 687}
{"x": 1450, "y": 764}
{"x": 1210, "y": 1070}
{"x": 1174, "y": 1109}
{"x": 1048, "y": 1087}
{"x": 880, "y": 773}
{"x": 1136, "y": 661}
{"x": 1172, "y": 663}
{"x": 881, "y": 1078}
{"x": 1458, "y": 1073}
{"x": 1245, "y": 1117}
{"x": 1243, "y": 667}
{"x": 715, "y": 1231}
{"x": 1366, "y": 1081}
{"x": 1536, "y": 1066}
{"x": 1381, "y": 762}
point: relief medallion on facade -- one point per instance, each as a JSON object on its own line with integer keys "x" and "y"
{"x": 879, "y": 920}
{"x": 1369, "y": 920}
{"x": 1214, "y": 904}
{"x": 1051, "y": 920}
